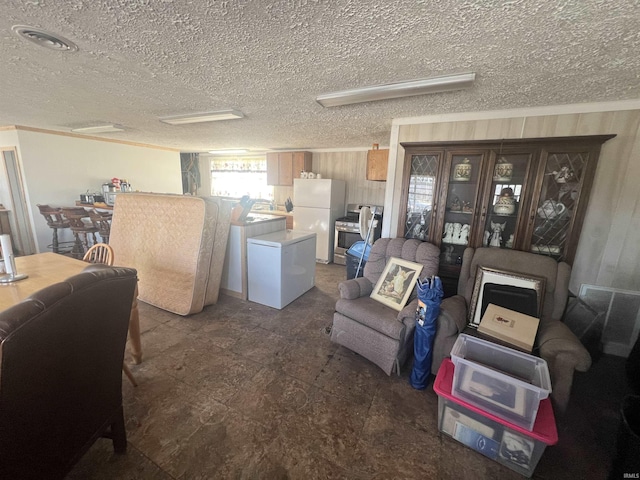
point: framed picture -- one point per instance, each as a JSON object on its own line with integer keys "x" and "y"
{"x": 516, "y": 449}
{"x": 396, "y": 283}
{"x": 494, "y": 391}
{"x": 487, "y": 275}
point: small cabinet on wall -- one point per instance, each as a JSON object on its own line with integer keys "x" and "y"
{"x": 524, "y": 194}
{"x": 377, "y": 161}
{"x": 283, "y": 167}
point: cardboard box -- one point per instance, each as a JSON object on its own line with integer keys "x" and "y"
{"x": 509, "y": 326}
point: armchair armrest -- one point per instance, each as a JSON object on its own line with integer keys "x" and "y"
{"x": 453, "y": 315}
{"x": 408, "y": 314}
{"x": 555, "y": 340}
{"x": 355, "y": 288}
{"x": 564, "y": 354}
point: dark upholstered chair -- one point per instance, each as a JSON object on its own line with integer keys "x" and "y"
{"x": 366, "y": 326}
{"x": 555, "y": 343}
{"x": 61, "y": 354}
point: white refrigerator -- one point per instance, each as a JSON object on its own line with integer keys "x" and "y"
{"x": 317, "y": 203}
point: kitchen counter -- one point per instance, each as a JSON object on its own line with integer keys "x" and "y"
{"x": 254, "y": 218}
{"x": 234, "y": 272}
{"x": 280, "y": 213}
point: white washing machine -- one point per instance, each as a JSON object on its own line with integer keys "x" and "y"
{"x": 281, "y": 266}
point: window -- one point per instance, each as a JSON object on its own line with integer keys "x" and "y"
{"x": 238, "y": 176}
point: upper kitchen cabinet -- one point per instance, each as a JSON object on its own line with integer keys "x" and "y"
{"x": 377, "y": 161}
{"x": 283, "y": 167}
{"x": 523, "y": 194}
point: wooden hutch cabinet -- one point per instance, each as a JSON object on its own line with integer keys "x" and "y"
{"x": 523, "y": 194}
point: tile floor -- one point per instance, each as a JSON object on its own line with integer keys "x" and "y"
{"x": 245, "y": 391}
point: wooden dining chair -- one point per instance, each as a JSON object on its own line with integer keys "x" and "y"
{"x": 99, "y": 253}
{"x": 103, "y": 253}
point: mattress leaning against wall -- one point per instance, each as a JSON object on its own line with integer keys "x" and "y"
{"x": 177, "y": 243}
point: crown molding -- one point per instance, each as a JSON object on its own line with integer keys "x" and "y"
{"x": 523, "y": 112}
{"x": 87, "y": 137}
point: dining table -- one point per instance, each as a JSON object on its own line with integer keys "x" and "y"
{"x": 45, "y": 269}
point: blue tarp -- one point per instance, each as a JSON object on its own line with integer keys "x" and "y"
{"x": 430, "y": 295}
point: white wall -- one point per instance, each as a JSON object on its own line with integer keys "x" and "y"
{"x": 58, "y": 168}
{"x": 8, "y": 138}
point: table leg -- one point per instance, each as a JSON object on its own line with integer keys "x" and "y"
{"x": 134, "y": 330}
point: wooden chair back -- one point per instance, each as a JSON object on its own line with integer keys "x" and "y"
{"x": 100, "y": 253}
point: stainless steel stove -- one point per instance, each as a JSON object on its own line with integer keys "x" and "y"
{"x": 348, "y": 230}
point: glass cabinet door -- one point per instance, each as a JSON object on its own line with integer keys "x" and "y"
{"x": 460, "y": 205}
{"x": 421, "y": 195}
{"x": 555, "y": 208}
{"x": 504, "y": 204}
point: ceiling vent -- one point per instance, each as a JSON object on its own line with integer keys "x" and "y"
{"x": 45, "y": 39}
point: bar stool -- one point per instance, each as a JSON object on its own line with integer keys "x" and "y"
{"x": 55, "y": 220}
{"x": 81, "y": 229}
{"x": 102, "y": 221}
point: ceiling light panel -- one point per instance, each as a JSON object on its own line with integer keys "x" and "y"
{"x": 99, "y": 129}
{"x": 203, "y": 117}
{"x": 396, "y": 90}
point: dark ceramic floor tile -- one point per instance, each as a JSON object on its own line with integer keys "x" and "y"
{"x": 306, "y": 361}
{"x": 286, "y": 322}
{"x": 350, "y": 376}
{"x": 226, "y": 446}
{"x": 298, "y": 461}
{"x": 198, "y": 363}
{"x": 151, "y": 317}
{"x": 226, "y": 332}
{"x": 100, "y": 463}
{"x": 397, "y": 400}
{"x": 166, "y": 416}
{"x": 158, "y": 339}
{"x": 270, "y": 396}
{"x": 326, "y": 426}
{"x": 408, "y": 450}
{"x": 261, "y": 346}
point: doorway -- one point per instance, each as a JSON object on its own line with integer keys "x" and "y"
{"x": 21, "y": 233}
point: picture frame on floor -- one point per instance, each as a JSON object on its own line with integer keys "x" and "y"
{"x": 495, "y": 392}
{"x": 395, "y": 285}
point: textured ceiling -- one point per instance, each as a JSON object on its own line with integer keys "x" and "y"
{"x": 142, "y": 59}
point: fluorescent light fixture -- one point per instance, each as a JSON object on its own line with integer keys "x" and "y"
{"x": 202, "y": 117}
{"x": 395, "y": 90}
{"x": 232, "y": 151}
{"x": 99, "y": 129}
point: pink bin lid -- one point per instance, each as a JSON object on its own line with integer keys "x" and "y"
{"x": 544, "y": 428}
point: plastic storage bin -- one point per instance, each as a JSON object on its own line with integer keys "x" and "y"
{"x": 352, "y": 257}
{"x": 504, "y": 382}
{"x": 512, "y": 446}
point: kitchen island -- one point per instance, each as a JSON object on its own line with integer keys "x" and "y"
{"x": 234, "y": 272}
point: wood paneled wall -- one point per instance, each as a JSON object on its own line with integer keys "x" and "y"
{"x": 348, "y": 166}
{"x": 609, "y": 249}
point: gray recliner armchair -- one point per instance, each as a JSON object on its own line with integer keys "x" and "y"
{"x": 366, "y": 326}
{"x": 555, "y": 343}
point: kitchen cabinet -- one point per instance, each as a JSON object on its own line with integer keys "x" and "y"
{"x": 523, "y": 194}
{"x": 283, "y": 167}
{"x": 377, "y": 161}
